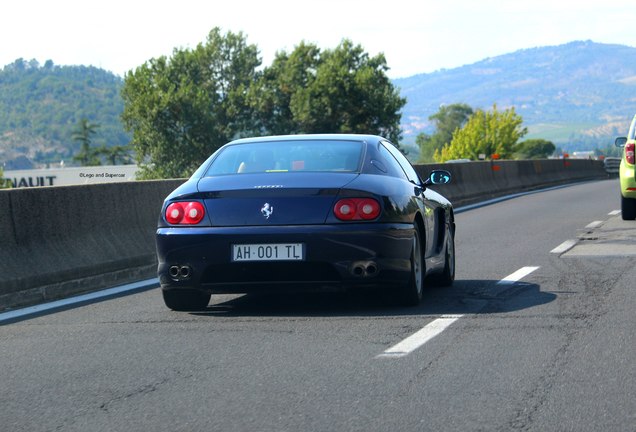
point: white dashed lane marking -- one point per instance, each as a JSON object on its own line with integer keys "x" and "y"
{"x": 418, "y": 339}
{"x": 517, "y": 276}
{"x": 594, "y": 224}
{"x": 437, "y": 326}
{"x": 564, "y": 247}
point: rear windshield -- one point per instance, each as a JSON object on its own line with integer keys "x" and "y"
{"x": 287, "y": 156}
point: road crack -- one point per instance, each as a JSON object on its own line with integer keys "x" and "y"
{"x": 577, "y": 317}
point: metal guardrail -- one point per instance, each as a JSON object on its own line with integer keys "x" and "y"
{"x": 612, "y": 165}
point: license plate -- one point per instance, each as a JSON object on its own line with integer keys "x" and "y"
{"x": 268, "y": 252}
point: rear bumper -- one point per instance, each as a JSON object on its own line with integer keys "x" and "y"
{"x": 337, "y": 257}
{"x": 628, "y": 180}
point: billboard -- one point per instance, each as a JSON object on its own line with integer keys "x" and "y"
{"x": 70, "y": 175}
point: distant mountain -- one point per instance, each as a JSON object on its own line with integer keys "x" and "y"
{"x": 578, "y": 94}
{"x": 41, "y": 105}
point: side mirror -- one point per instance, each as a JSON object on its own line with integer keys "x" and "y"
{"x": 438, "y": 177}
{"x": 620, "y": 141}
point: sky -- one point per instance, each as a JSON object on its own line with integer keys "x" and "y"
{"x": 415, "y": 36}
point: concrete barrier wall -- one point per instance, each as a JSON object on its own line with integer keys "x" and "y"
{"x": 479, "y": 181}
{"x": 60, "y": 241}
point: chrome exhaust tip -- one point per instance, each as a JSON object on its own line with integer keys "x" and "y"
{"x": 173, "y": 271}
{"x": 178, "y": 272}
{"x": 364, "y": 269}
{"x": 185, "y": 272}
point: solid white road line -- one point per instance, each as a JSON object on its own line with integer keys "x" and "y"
{"x": 435, "y": 327}
{"x": 564, "y": 247}
{"x": 83, "y": 298}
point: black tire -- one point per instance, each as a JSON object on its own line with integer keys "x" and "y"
{"x": 413, "y": 290}
{"x": 183, "y": 300}
{"x": 628, "y": 208}
{"x": 447, "y": 276}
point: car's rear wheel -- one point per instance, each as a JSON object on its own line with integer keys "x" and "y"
{"x": 628, "y": 208}
{"x": 185, "y": 300}
{"x": 412, "y": 291}
{"x": 447, "y": 276}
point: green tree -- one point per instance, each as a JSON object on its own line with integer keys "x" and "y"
{"x": 448, "y": 119}
{"x": 4, "y": 183}
{"x": 486, "y": 132}
{"x": 343, "y": 90}
{"x": 276, "y": 91}
{"x": 83, "y": 133}
{"x": 534, "y": 149}
{"x": 116, "y": 155}
{"x": 182, "y": 109}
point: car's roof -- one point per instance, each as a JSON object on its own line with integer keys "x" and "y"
{"x": 311, "y": 137}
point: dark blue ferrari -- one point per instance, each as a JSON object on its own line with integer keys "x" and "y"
{"x": 298, "y": 212}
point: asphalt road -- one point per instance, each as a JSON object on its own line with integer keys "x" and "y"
{"x": 530, "y": 337}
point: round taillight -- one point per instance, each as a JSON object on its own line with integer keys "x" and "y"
{"x": 193, "y": 213}
{"x": 174, "y": 213}
{"x": 357, "y": 209}
{"x": 345, "y": 209}
{"x": 368, "y": 209}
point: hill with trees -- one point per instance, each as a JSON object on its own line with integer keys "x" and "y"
{"x": 42, "y": 105}
{"x": 580, "y": 94}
